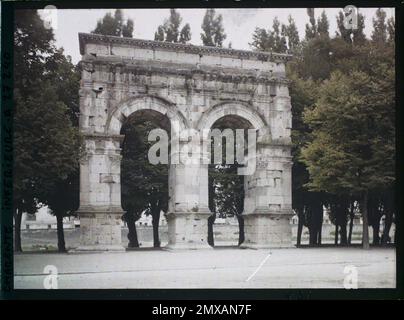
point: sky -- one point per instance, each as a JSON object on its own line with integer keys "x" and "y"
{"x": 239, "y": 24}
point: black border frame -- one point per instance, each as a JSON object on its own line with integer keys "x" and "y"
{"x": 6, "y": 177}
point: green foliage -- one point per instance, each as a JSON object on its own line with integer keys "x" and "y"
{"x": 272, "y": 40}
{"x": 342, "y": 94}
{"x": 213, "y": 31}
{"x": 228, "y": 191}
{"x": 33, "y": 44}
{"x": 185, "y": 35}
{"x": 159, "y": 35}
{"x": 260, "y": 39}
{"x": 170, "y": 30}
{"x": 63, "y": 198}
{"x": 379, "y": 34}
{"x": 144, "y": 185}
{"x": 127, "y": 29}
{"x": 303, "y": 94}
{"x": 47, "y": 145}
{"x": 356, "y": 36}
{"x": 172, "y": 26}
{"x": 311, "y": 29}
{"x": 316, "y": 59}
{"x": 391, "y": 29}
{"x": 291, "y": 33}
{"x": 113, "y": 25}
{"x": 323, "y": 25}
{"x": 353, "y": 128}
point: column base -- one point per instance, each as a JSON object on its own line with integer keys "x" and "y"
{"x": 188, "y": 230}
{"x": 100, "y": 229}
{"x": 267, "y": 230}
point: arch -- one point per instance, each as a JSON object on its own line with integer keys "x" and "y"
{"x": 227, "y": 108}
{"x": 144, "y": 102}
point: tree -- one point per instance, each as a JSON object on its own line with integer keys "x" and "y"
{"x": 315, "y": 57}
{"x": 213, "y": 31}
{"x": 352, "y": 36}
{"x": 353, "y": 126}
{"x": 304, "y": 202}
{"x": 311, "y": 29}
{"x": 172, "y": 26}
{"x": 63, "y": 197}
{"x": 227, "y": 195}
{"x": 144, "y": 185}
{"x": 133, "y": 202}
{"x": 379, "y": 34}
{"x": 318, "y": 58}
{"x": 159, "y": 35}
{"x": 66, "y": 79}
{"x": 279, "y": 41}
{"x": 127, "y": 29}
{"x": 33, "y": 44}
{"x": 226, "y": 188}
{"x": 47, "y": 148}
{"x": 339, "y": 216}
{"x": 388, "y": 210}
{"x": 323, "y": 25}
{"x": 46, "y": 144}
{"x": 272, "y": 40}
{"x": 113, "y": 25}
{"x": 63, "y": 201}
{"x": 185, "y": 34}
{"x": 290, "y": 32}
{"x": 391, "y": 30}
{"x": 260, "y": 39}
{"x": 170, "y": 30}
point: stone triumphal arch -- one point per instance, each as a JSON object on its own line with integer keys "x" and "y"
{"x": 193, "y": 87}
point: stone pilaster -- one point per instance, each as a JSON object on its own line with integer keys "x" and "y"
{"x": 268, "y": 206}
{"x": 188, "y": 207}
{"x": 100, "y": 209}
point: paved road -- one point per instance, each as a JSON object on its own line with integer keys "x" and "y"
{"x": 214, "y": 268}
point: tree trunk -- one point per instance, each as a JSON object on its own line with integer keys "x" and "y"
{"x": 365, "y": 225}
{"x": 336, "y": 234}
{"x": 395, "y": 233}
{"x": 319, "y": 234}
{"x": 240, "y": 220}
{"x": 320, "y": 226}
{"x": 387, "y": 226}
{"x": 299, "y": 230}
{"x": 351, "y": 216}
{"x": 132, "y": 234}
{"x": 376, "y": 230}
{"x": 155, "y": 222}
{"x": 17, "y": 230}
{"x": 60, "y": 232}
{"x": 211, "y": 220}
{"x": 343, "y": 238}
{"x": 312, "y": 235}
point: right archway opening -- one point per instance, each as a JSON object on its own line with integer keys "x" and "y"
{"x": 226, "y": 185}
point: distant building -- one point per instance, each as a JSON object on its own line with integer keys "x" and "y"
{"x": 43, "y": 219}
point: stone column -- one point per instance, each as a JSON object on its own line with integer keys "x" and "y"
{"x": 188, "y": 214}
{"x": 100, "y": 209}
{"x": 268, "y": 202}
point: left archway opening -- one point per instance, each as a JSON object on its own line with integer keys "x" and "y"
{"x": 144, "y": 185}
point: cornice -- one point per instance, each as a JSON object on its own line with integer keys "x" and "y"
{"x": 187, "y": 48}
